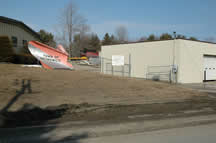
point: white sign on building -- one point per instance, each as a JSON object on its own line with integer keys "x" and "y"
{"x": 117, "y": 60}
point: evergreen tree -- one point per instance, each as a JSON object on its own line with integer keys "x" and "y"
{"x": 193, "y": 38}
{"x": 94, "y": 42}
{"x": 181, "y": 37}
{"x": 151, "y": 37}
{"x": 114, "y": 40}
{"x": 165, "y": 36}
{"x": 106, "y": 40}
{"x": 47, "y": 38}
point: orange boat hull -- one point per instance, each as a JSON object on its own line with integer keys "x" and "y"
{"x": 49, "y": 57}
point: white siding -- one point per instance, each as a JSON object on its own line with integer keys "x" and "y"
{"x": 142, "y": 55}
{"x": 150, "y": 54}
{"x": 191, "y": 66}
{"x": 189, "y": 57}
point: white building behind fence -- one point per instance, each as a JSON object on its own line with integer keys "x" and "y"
{"x": 181, "y": 61}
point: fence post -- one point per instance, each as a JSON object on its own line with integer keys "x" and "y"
{"x": 112, "y": 68}
{"x": 170, "y": 76}
{"x": 105, "y": 71}
{"x": 102, "y": 65}
{"x": 123, "y": 71}
{"x": 129, "y": 65}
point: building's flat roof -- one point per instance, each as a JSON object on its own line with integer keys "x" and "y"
{"x": 198, "y": 41}
{"x": 159, "y": 41}
{"x": 20, "y": 24}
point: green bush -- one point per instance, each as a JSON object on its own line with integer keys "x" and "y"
{"x": 24, "y": 59}
{"x": 6, "y": 49}
{"x": 7, "y": 53}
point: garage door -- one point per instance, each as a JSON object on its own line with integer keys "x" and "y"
{"x": 210, "y": 67}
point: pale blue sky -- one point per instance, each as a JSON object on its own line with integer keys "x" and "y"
{"x": 141, "y": 17}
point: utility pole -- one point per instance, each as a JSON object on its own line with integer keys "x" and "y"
{"x": 174, "y": 33}
{"x": 174, "y": 67}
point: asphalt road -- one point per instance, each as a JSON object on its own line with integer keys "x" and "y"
{"x": 196, "y": 129}
{"x": 197, "y": 134}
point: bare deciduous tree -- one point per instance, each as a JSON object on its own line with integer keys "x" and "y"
{"x": 121, "y": 33}
{"x": 71, "y": 23}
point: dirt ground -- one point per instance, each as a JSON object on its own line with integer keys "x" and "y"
{"x": 56, "y": 87}
{"x": 91, "y": 114}
{"x": 35, "y": 96}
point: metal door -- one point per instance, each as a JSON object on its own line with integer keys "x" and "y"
{"x": 209, "y": 67}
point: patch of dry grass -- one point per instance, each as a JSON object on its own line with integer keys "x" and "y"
{"x": 55, "y": 87}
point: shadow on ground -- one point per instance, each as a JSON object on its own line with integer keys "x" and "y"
{"x": 30, "y": 115}
{"x": 18, "y": 126}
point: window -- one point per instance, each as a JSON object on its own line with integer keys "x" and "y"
{"x": 14, "y": 41}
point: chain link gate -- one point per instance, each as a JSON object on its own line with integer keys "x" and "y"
{"x": 159, "y": 73}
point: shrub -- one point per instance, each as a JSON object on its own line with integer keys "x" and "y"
{"x": 24, "y": 59}
{"x": 6, "y": 49}
{"x": 7, "y": 53}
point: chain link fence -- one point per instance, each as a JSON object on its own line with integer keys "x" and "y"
{"x": 107, "y": 67}
{"x": 159, "y": 73}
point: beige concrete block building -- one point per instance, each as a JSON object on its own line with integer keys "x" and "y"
{"x": 179, "y": 60}
{"x": 19, "y": 33}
